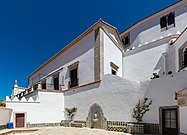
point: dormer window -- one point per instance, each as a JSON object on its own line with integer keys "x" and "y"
{"x": 126, "y": 40}
{"x": 163, "y": 22}
{"x": 167, "y": 21}
{"x": 171, "y": 19}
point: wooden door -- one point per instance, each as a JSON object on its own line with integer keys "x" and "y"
{"x": 20, "y": 120}
{"x": 170, "y": 121}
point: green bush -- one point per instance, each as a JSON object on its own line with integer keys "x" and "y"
{"x": 141, "y": 108}
{"x": 2, "y": 104}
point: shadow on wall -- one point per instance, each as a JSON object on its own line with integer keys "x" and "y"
{"x": 159, "y": 68}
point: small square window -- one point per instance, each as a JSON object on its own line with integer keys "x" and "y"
{"x": 114, "y": 68}
{"x": 114, "y": 72}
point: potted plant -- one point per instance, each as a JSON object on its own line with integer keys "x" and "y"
{"x": 70, "y": 114}
{"x": 141, "y": 107}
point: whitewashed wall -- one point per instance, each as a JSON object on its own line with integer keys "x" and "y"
{"x": 141, "y": 63}
{"x": 173, "y": 54}
{"x": 162, "y": 92}
{"x": 150, "y": 30}
{"x": 117, "y": 96}
{"x": 111, "y": 54}
{"x": 183, "y": 119}
{"x": 47, "y": 109}
{"x": 82, "y": 51}
{"x": 5, "y": 115}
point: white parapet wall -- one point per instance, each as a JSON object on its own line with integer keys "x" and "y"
{"x": 46, "y": 108}
{"x": 5, "y": 115}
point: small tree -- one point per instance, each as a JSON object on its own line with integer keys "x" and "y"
{"x": 141, "y": 108}
{"x": 2, "y": 104}
{"x": 71, "y": 113}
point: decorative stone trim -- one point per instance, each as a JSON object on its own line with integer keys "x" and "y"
{"x": 98, "y": 54}
{"x": 96, "y": 117}
{"x": 43, "y": 125}
{"x": 135, "y": 128}
{"x": 77, "y": 124}
{"x": 74, "y": 65}
{"x": 182, "y": 98}
{"x": 117, "y": 126}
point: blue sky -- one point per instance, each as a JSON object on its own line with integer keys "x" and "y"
{"x": 31, "y": 31}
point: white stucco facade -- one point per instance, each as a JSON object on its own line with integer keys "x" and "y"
{"x": 36, "y": 109}
{"x": 94, "y": 54}
{"x": 82, "y": 52}
{"x": 112, "y": 54}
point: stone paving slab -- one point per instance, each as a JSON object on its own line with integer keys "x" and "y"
{"x": 74, "y": 131}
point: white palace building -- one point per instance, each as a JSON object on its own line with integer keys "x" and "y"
{"x": 112, "y": 71}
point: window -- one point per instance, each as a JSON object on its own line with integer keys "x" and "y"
{"x": 167, "y": 21}
{"x": 114, "y": 72}
{"x": 183, "y": 57}
{"x": 44, "y": 85}
{"x": 35, "y": 87}
{"x": 114, "y": 68}
{"x": 73, "y": 78}
{"x": 163, "y": 22}
{"x": 126, "y": 40}
{"x": 56, "y": 83}
{"x": 73, "y": 74}
{"x": 171, "y": 19}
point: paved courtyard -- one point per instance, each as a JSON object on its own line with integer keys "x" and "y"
{"x": 73, "y": 131}
{"x": 62, "y": 131}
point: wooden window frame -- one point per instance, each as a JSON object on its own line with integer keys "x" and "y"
{"x": 72, "y": 67}
{"x": 167, "y": 25}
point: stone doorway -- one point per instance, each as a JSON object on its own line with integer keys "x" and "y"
{"x": 96, "y": 117}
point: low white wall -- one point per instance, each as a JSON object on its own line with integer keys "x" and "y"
{"x": 5, "y": 115}
{"x": 48, "y": 108}
{"x": 183, "y": 119}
